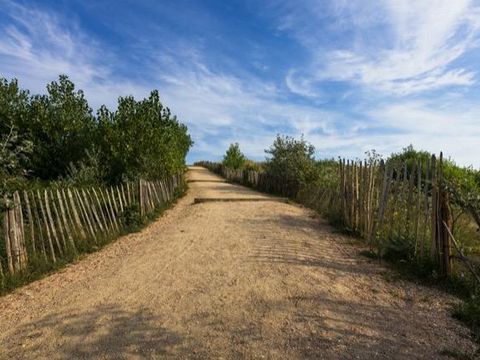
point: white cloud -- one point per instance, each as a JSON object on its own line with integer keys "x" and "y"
{"x": 37, "y": 46}
{"x": 451, "y": 128}
{"x": 419, "y": 44}
{"x": 222, "y": 107}
{"x": 219, "y": 108}
{"x": 302, "y": 86}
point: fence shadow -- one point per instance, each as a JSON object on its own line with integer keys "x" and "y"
{"x": 106, "y": 332}
{"x": 348, "y": 329}
{"x": 353, "y": 325}
{"x": 306, "y": 244}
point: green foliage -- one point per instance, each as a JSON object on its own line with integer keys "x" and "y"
{"x": 409, "y": 155}
{"x": 86, "y": 172}
{"x": 234, "y": 158}
{"x": 58, "y": 125}
{"x": 14, "y": 147}
{"x": 327, "y": 173}
{"x": 469, "y": 313}
{"x": 131, "y": 218}
{"x": 465, "y": 179}
{"x": 291, "y": 161}
{"x": 14, "y": 106}
{"x": 250, "y": 165}
{"x": 67, "y": 142}
{"x": 13, "y": 152}
{"x": 463, "y": 186}
{"x": 61, "y": 127}
{"x": 159, "y": 151}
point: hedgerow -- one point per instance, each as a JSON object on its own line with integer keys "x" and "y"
{"x": 57, "y": 137}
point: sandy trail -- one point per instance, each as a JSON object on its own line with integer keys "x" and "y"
{"x": 228, "y": 280}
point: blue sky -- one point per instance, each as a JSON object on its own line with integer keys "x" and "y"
{"x": 349, "y": 75}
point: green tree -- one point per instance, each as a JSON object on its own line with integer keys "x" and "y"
{"x": 61, "y": 127}
{"x": 234, "y": 158}
{"x": 142, "y": 138}
{"x": 139, "y": 139}
{"x": 14, "y": 106}
{"x": 291, "y": 162}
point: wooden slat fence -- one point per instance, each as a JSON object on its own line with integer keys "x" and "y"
{"x": 399, "y": 207}
{"x": 395, "y": 206}
{"x": 50, "y": 224}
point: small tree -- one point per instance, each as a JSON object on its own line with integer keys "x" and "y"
{"x": 61, "y": 127}
{"x": 234, "y": 158}
{"x": 291, "y": 161}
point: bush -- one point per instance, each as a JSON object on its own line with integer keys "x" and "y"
{"x": 87, "y": 172}
{"x": 130, "y": 217}
{"x": 13, "y": 152}
{"x": 61, "y": 127}
{"x": 234, "y": 158}
{"x": 161, "y": 149}
{"x": 139, "y": 139}
{"x": 250, "y": 165}
{"x": 291, "y": 162}
{"x": 469, "y": 313}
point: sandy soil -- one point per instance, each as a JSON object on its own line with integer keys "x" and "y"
{"x": 228, "y": 280}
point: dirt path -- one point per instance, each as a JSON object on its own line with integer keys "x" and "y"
{"x": 228, "y": 280}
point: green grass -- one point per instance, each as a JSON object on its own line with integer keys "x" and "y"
{"x": 468, "y": 312}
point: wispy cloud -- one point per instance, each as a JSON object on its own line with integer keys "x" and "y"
{"x": 218, "y": 107}
{"x": 419, "y": 44}
{"x": 451, "y": 128}
{"x": 350, "y": 91}
{"x": 36, "y": 46}
{"x": 222, "y": 108}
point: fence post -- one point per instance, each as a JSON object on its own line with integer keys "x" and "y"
{"x": 51, "y": 223}
{"x": 30, "y": 222}
{"x": 434, "y": 219}
{"x": 445, "y": 222}
{"x": 8, "y": 248}
{"x": 75, "y": 214}
{"x": 20, "y": 231}
{"x": 140, "y": 192}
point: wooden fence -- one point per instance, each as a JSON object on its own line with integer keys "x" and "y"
{"x": 397, "y": 207}
{"x": 260, "y": 181}
{"x": 51, "y": 223}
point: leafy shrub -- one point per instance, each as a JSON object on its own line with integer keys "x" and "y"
{"x": 130, "y": 217}
{"x": 234, "y": 158}
{"x": 159, "y": 151}
{"x": 139, "y": 139}
{"x": 87, "y": 172}
{"x": 469, "y": 313}
{"x": 250, "y": 165}
{"x": 61, "y": 127}
{"x": 291, "y": 162}
{"x": 13, "y": 152}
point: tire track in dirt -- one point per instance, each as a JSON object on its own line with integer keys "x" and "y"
{"x": 228, "y": 280}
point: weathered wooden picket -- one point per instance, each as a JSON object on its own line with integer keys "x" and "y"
{"x": 51, "y": 223}
{"x": 261, "y": 181}
{"x": 398, "y": 207}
